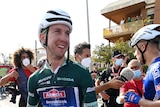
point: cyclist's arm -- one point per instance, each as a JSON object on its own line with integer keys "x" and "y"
{"x": 147, "y": 103}
{"x": 33, "y": 98}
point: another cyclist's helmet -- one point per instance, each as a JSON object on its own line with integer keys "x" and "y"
{"x": 145, "y": 33}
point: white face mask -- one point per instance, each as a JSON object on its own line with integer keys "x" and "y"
{"x": 118, "y": 62}
{"x": 26, "y": 62}
{"x": 86, "y": 62}
{"x": 137, "y": 73}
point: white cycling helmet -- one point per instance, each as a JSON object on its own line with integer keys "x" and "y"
{"x": 145, "y": 33}
{"x": 55, "y": 16}
{"x": 52, "y": 17}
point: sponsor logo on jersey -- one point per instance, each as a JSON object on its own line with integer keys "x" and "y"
{"x": 90, "y": 89}
{"x": 46, "y": 82}
{"x": 44, "y": 79}
{"x": 30, "y": 94}
{"x": 155, "y": 68}
{"x": 65, "y": 79}
{"x": 54, "y": 94}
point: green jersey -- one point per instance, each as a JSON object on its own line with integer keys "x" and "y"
{"x": 71, "y": 86}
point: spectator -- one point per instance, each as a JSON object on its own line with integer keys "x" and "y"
{"x": 82, "y": 51}
{"x": 135, "y": 84}
{"x": 82, "y": 54}
{"x": 122, "y": 24}
{"x": 23, "y": 68}
{"x": 94, "y": 76}
{"x": 128, "y": 24}
{"x": 146, "y": 43}
{"x": 110, "y": 95}
{"x": 122, "y": 21}
{"x": 60, "y": 82}
{"x": 126, "y": 60}
{"x": 95, "y": 69}
{"x": 128, "y": 19}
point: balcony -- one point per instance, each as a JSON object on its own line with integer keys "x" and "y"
{"x": 122, "y": 9}
{"x": 122, "y": 32}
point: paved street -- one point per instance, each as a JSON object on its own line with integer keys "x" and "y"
{"x": 100, "y": 102}
{"x": 4, "y": 102}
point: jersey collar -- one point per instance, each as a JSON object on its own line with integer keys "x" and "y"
{"x": 46, "y": 65}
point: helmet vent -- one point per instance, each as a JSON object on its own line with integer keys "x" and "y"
{"x": 55, "y": 13}
{"x": 58, "y": 19}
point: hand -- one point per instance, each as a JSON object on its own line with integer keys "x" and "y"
{"x": 132, "y": 97}
{"x": 105, "y": 96}
{"x": 31, "y": 68}
{"x": 120, "y": 99}
{"x": 115, "y": 83}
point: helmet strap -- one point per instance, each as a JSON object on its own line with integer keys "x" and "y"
{"x": 159, "y": 45}
{"x": 142, "y": 52}
{"x": 68, "y": 55}
{"x": 46, "y": 42}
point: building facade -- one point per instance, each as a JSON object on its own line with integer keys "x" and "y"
{"x": 135, "y": 13}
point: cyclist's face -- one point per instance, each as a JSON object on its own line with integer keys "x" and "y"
{"x": 137, "y": 50}
{"x": 58, "y": 40}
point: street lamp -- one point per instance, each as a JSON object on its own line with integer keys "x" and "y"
{"x": 88, "y": 30}
{"x": 88, "y": 21}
